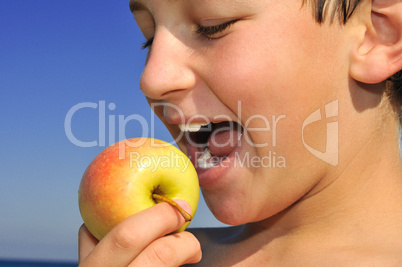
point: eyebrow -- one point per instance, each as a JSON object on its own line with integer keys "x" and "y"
{"x": 136, "y": 6}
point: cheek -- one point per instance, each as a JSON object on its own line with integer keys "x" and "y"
{"x": 282, "y": 70}
{"x": 286, "y": 66}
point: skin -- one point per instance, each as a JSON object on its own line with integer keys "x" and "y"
{"x": 309, "y": 212}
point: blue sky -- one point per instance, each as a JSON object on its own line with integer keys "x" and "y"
{"x": 55, "y": 55}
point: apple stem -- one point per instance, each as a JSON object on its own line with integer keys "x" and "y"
{"x": 185, "y": 214}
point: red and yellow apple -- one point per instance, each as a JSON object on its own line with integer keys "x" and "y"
{"x": 133, "y": 175}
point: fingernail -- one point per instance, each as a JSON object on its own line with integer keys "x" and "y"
{"x": 184, "y": 205}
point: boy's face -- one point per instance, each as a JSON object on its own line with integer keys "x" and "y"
{"x": 267, "y": 71}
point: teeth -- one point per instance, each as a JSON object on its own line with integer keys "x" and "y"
{"x": 206, "y": 160}
{"x": 191, "y": 127}
{"x": 206, "y": 155}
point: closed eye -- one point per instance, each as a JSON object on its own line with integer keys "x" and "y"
{"x": 210, "y": 31}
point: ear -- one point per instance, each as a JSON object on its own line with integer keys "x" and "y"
{"x": 379, "y": 54}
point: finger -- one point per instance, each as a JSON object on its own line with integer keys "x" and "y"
{"x": 124, "y": 242}
{"x": 172, "y": 250}
{"x": 86, "y": 243}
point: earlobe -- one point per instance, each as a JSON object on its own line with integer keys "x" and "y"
{"x": 379, "y": 56}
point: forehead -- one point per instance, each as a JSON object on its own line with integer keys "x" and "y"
{"x": 140, "y": 5}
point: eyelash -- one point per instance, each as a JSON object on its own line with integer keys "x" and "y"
{"x": 209, "y": 31}
{"x": 206, "y": 31}
{"x": 147, "y": 43}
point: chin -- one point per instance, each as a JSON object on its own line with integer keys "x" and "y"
{"x": 229, "y": 210}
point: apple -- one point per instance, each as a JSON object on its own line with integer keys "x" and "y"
{"x": 133, "y": 175}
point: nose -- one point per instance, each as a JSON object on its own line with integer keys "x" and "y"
{"x": 167, "y": 70}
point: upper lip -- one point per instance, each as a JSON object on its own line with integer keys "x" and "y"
{"x": 197, "y": 119}
{"x": 188, "y": 120}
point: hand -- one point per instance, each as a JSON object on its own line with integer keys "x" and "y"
{"x": 142, "y": 240}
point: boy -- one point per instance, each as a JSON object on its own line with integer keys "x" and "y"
{"x": 245, "y": 80}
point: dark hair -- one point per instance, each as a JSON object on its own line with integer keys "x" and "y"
{"x": 343, "y": 10}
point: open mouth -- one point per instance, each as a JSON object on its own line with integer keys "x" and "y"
{"x": 209, "y": 144}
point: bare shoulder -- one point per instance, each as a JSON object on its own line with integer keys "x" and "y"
{"x": 215, "y": 241}
{"x": 209, "y": 237}
{"x": 220, "y": 247}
